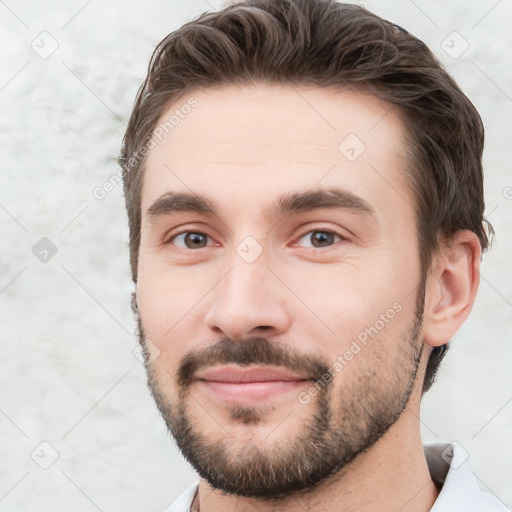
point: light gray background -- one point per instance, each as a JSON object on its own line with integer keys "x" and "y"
{"x": 69, "y": 376}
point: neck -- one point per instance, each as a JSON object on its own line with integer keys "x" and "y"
{"x": 392, "y": 475}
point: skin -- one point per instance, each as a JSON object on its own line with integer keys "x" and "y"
{"x": 242, "y": 147}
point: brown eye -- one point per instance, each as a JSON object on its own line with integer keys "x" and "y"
{"x": 190, "y": 240}
{"x": 319, "y": 239}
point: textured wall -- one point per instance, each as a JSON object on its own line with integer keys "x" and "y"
{"x": 69, "y": 376}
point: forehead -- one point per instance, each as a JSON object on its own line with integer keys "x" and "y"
{"x": 247, "y": 142}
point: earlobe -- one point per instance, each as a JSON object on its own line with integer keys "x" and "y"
{"x": 451, "y": 288}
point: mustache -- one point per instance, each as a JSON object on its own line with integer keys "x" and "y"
{"x": 253, "y": 350}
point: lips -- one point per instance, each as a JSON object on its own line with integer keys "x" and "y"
{"x": 249, "y": 386}
{"x": 233, "y": 374}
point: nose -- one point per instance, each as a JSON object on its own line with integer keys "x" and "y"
{"x": 248, "y": 301}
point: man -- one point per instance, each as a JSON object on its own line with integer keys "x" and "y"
{"x": 305, "y": 198}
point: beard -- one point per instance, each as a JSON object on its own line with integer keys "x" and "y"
{"x": 344, "y": 422}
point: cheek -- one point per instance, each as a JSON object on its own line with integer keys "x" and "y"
{"x": 356, "y": 302}
{"x": 166, "y": 302}
{"x": 164, "y": 292}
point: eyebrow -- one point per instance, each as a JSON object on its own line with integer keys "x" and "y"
{"x": 285, "y": 204}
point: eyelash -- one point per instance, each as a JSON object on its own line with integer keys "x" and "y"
{"x": 330, "y": 231}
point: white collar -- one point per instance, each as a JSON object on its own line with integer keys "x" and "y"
{"x": 447, "y": 463}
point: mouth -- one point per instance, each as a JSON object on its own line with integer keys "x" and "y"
{"x": 253, "y": 384}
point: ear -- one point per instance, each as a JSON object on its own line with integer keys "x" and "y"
{"x": 451, "y": 287}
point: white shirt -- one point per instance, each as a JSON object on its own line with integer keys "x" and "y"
{"x": 448, "y": 467}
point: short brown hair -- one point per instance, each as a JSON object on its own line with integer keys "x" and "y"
{"x": 327, "y": 44}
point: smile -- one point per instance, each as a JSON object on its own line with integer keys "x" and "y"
{"x": 249, "y": 385}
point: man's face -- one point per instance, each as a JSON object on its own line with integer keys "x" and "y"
{"x": 283, "y": 312}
